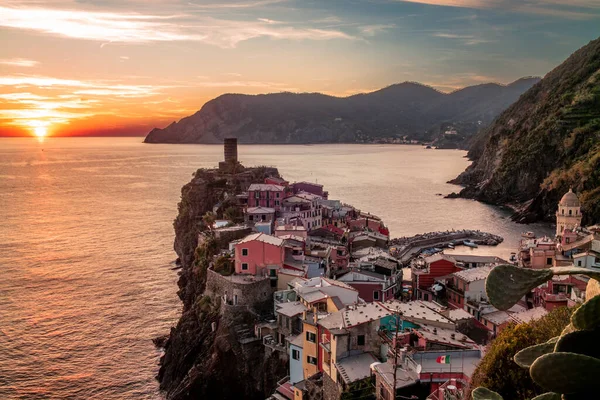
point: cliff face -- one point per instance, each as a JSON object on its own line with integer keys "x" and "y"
{"x": 546, "y": 142}
{"x": 203, "y": 355}
{"x": 402, "y": 109}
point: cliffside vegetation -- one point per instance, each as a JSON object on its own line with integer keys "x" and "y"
{"x": 498, "y": 371}
{"x": 411, "y": 109}
{"x": 545, "y": 143}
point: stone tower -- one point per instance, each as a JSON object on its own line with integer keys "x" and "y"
{"x": 568, "y": 215}
{"x": 230, "y": 147}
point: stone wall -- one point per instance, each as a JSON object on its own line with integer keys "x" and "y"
{"x": 254, "y": 294}
{"x": 330, "y": 389}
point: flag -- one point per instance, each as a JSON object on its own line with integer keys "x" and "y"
{"x": 443, "y": 360}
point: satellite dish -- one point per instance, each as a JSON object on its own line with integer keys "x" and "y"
{"x": 419, "y": 368}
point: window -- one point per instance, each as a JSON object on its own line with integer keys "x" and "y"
{"x": 295, "y": 354}
{"x": 426, "y": 296}
{"x": 277, "y": 195}
{"x": 311, "y": 360}
{"x": 244, "y": 252}
{"x": 579, "y": 263}
{"x": 244, "y": 266}
{"x": 277, "y": 202}
{"x": 360, "y": 340}
{"x": 570, "y": 212}
{"x": 376, "y": 295}
{"x": 311, "y": 337}
{"x": 548, "y": 261}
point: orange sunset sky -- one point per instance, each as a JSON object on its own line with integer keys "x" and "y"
{"x": 122, "y": 67}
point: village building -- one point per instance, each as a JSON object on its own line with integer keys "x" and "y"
{"x": 426, "y": 270}
{"x": 259, "y": 254}
{"x": 466, "y": 285}
{"x": 302, "y": 209}
{"x": 308, "y": 187}
{"x": 265, "y": 195}
{"x": 259, "y": 214}
{"x": 371, "y": 286}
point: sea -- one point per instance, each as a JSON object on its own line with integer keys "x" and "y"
{"x": 86, "y": 245}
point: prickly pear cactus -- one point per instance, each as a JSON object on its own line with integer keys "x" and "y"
{"x": 567, "y": 366}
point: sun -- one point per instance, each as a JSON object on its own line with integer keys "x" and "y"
{"x": 40, "y": 131}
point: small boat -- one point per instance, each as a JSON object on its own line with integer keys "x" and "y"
{"x": 428, "y": 147}
{"x": 513, "y": 257}
{"x": 470, "y": 244}
{"x": 450, "y": 246}
{"x": 529, "y": 235}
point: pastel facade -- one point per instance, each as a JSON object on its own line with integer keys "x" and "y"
{"x": 467, "y": 285}
{"x": 433, "y": 267}
{"x": 258, "y": 252}
{"x": 371, "y": 286}
{"x": 308, "y": 187}
{"x": 265, "y": 195}
{"x": 302, "y": 209}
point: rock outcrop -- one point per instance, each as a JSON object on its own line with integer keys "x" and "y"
{"x": 205, "y": 356}
{"x": 404, "y": 109}
{"x": 545, "y": 143}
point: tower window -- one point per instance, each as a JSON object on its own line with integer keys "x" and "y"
{"x": 570, "y": 212}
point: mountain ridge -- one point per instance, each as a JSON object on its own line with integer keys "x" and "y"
{"x": 403, "y": 109}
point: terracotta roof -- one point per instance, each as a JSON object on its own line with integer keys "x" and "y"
{"x": 265, "y": 187}
{"x": 262, "y": 237}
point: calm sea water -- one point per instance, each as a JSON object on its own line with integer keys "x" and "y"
{"x": 86, "y": 245}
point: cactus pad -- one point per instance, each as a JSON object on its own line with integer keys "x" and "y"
{"x": 588, "y": 315}
{"x": 548, "y": 396}
{"x": 527, "y": 356}
{"x": 575, "y": 271}
{"x": 506, "y": 284}
{"x": 580, "y": 342}
{"x": 482, "y": 393}
{"x": 593, "y": 289}
{"x": 566, "y": 372}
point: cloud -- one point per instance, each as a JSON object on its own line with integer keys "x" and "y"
{"x": 571, "y": 9}
{"x": 469, "y": 40}
{"x": 110, "y": 27}
{"x": 19, "y": 62}
{"x": 249, "y": 4}
{"x": 372, "y": 30}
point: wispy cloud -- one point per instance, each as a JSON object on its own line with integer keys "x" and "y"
{"x": 247, "y": 4}
{"x": 372, "y": 30}
{"x": 469, "y": 40}
{"x": 140, "y": 28}
{"x": 572, "y": 9}
{"x": 19, "y": 62}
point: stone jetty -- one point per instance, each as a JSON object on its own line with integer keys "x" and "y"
{"x": 407, "y": 247}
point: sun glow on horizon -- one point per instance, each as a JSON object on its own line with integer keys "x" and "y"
{"x": 40, "y": 131}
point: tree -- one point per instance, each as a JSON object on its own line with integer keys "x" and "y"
{"x": 209, "y": 219}
{"x": 497, "y": 371}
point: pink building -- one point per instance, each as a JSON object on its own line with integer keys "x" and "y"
{"x": 308, "y": 187}
{"x": 265, "y": 195}
{"x": 257, "y": 253}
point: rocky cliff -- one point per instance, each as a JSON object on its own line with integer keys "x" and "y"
{"x": 403, "y": 109}
{"x": 546, "y": 142}
{"x": 204, "y": 357}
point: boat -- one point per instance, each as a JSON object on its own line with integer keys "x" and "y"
{"x": 428, "y": 147}
{"x": 450, "y": 246}
{"x": 513, "y": 257}
{"x": 470, "y": 244}
{"x": 528, "y": 235}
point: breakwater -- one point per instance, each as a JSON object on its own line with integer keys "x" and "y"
{"x": 407, "y": 247}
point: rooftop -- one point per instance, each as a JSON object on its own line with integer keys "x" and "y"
{"x": 417, "y": 310}
{"x": 290, "y": 309}
{"x": 458, "y": 314}
{"x": 260, "y": 210}
{"x": 290, "y": 228}
{"x": 529, "y": 315}
{"x": 445, "y": 336}
{"x": 354, "y": 315}
{"x": 262, "y": 237}
{"x": 473, "y": 274}
{"x": 570, "y": 199}
{"x": 265, "y": 187}
{"x": 356, "y": 368}
{"x": 404, "y": 376}
{"x": 297, "y": 340}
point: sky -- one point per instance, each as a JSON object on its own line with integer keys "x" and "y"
{"x": 122, "y": 67}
